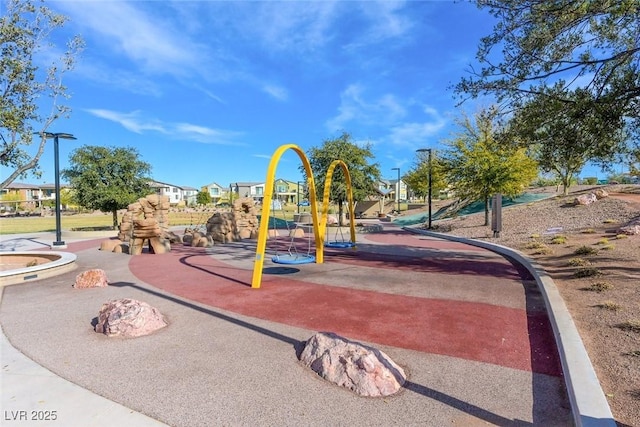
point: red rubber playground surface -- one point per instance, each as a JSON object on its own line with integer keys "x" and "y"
{"x": 396, "y": 289}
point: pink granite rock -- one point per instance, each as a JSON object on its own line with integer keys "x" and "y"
{"x": 364, "y": 370}
{"x": 95, "y": 278}
{"x": 585, "y": 199}
{"x": 128, "y": 318}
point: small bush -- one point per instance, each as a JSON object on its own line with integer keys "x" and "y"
{"x": 609, "y": 221}
{"x": 559, "y": 240}
{"x": 585, "y": 250}
{"x": 535, "y": 236}
{"x": 535, "y": 245}
{"x": 578, "y": 262}
{"x": 588, "y": 231}
{"x": 621, "y": 236}
{"x": 542, "y": 251}
{"x": 609, "y": 305}
{"x": 630, "y": 325}
{"x": 586, "y": 272}
{"x": 608, "y": 247}
{"x": 603, "y": 241}
{"x": 599, "y": 287}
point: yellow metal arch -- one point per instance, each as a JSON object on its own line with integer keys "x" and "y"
{"x": 325, "y": 199}
{"x": 266, "y": 209}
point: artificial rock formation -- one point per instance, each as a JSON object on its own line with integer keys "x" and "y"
{"x": 240, "y": 223}
{"x": 585, "y": 199}
{"x": 128, "y": 318}
{"x": 147, "y": 220}
{"x": 94, "y": 278}
{"x": 362, "y": 369}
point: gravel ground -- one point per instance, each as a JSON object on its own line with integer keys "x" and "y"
{"x": 604, "y": 306}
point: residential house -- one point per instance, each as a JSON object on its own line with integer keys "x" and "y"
{"x": 400, "y": 191}
{"x": 288, "y": 191}
{"x": 216, "y": 191}
{"x": 18, "y": 195}
{"x": 178, "y": 195}
{"x": 254, "y": 190}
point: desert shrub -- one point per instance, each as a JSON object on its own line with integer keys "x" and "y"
{"x": 609, "y": 221}
{"x": 542, "y": 251}
{"x": 535, "y": 245}
{"x": 609, "y": 305}
{"x": 586, "y": 272}
{"x": 585, "y": 250}
{"x": 535, "y": 236}
{"x": 603, "y": 241}
{"x": 608, "y": 247}
{"x": 578, "y": 262}
{"x": 588, "y": 231}
{"x": 621, "y": 236}
{"x": 630, "y": 325}
{"x": 599, "y": 287}
{"x": 559, "y": 240}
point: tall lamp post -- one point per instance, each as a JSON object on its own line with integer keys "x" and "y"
{"x": 398, "y": 188}
{"x": 56, "y": 156}
{"x": 298, "y": 197}
{"x": 428, "y": 150}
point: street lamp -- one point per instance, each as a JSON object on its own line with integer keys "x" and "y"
{"x": 428, "y": 150}
{"x": 298, "y": 197}
{"x": 58, "y": 243}
{"x": 398, "y": 188}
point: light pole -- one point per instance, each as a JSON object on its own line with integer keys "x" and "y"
{"x": 298, "y": 197}
{"x": 428, "y": 150}
{"x": 398, "y": 188}
{"x": 56, "y": 156}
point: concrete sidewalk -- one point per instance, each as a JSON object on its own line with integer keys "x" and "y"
{"x": 229, "y": 354}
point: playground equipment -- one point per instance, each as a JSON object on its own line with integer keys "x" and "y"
{"x": 319, "y": 226}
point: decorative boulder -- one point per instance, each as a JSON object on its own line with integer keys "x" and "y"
{"x": 362, "y": 369}
{"x": 601, "y": 193}
{"x": 95, "y": 278}
{"x": 128, "y": 318}
{"x": 110, "y": 245}
{"x": 585, "y": 199}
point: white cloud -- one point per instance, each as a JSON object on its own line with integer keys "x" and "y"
{"x": 355, "y": 109}
{"x": 130, "y": 121}
{"x": 150, "y": 41}
{"x": 278, "y": 92}
{"x": 183, "y": 131}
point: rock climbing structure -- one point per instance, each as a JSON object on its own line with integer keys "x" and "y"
{"x": 147, "y": 220}
{"x": 240, "y": 223}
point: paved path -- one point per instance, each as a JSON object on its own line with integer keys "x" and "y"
{"x": 468, "y": 326}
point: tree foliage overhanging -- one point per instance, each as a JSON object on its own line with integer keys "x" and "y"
{"x": 25, "y": 27}
{"x": 594, "y": 45}
{"x": 107, "y": 178}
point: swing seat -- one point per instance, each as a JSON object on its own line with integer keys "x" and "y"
{"x": 339, "y": 245}
{"x": 293, "y": 259}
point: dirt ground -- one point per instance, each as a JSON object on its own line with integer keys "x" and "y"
{"x": 605, "y": 307}
{"x": 605, "y": 303}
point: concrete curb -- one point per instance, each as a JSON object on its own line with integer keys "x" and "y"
{"x": 588, "y": 402}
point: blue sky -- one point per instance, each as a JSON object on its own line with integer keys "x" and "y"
{"x": 207, "y": 90}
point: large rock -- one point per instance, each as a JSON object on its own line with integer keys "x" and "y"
{"x": 364, "y": 370}
{"x": 94, "y": 278}
{"x": 630, "y": 230}
{"x": 585, "y": 199}
{"x": 128, "y": 318}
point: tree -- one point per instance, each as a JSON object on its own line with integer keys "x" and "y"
{"x": 24, "y": 30}
{"x": 594, "y": 45}
{"x": 203, "y": 198}
{"x": 106, "y": 178}
{"x": 478, "y": 165}
{"x": 363, "y": 174}
{"x": 417, "y": 178}
{"x": 568, "y": 135}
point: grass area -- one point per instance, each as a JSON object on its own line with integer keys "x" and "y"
{"x": 37, "y": 224}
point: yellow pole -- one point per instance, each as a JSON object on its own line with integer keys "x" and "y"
{"x": 266, "y": 209}
{"x": 325, "y": 199}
